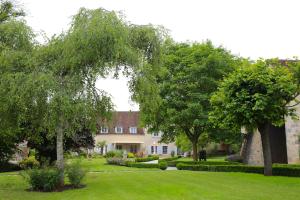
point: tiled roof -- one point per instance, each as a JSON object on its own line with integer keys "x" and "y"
{"x": 124, "y": 119}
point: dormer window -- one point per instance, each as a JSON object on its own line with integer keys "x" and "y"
{"x": 118, "y": 129}
{"x": 133, "y": 130}
{"x": 104, "y": 129}
{"x": 155, "y": 134}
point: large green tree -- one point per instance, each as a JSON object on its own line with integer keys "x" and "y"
{"x": 51, "y": 87}
{"x": 16, "y": 47}
{"x": 98, "y": 42}
{"x": 255, "y": 96}
{"x": 176, "y": 99}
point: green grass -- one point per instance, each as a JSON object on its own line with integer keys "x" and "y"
{"x": 99, "y": 165}
{"x": 115, "y": 182}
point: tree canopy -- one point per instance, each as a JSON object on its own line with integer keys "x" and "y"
{"x": 255, "y": 96}
{"x": 176, "y": 99}
{"x": 50, "y": 88}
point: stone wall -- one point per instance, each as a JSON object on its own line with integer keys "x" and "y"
{"x": 254, "y": 154}
{"x": 292, "y": 131}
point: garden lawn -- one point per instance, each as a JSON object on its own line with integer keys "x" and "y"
{"x": 99, "y": 165}
{"x": 118, "y": 183}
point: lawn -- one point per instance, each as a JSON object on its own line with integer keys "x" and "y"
{"x": 112, "y": 182}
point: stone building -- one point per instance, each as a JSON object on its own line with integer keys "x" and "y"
{"x": 285, "y": 143}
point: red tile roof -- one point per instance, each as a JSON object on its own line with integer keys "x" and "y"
{"x": 125, "y": 119}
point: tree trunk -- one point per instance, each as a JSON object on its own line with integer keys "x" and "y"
{"x": 195, "y": 151}
{"x": 60, "y": 153}
{"x": 265, "y": 140}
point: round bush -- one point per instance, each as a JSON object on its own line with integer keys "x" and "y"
{"x": 163, "y": 165}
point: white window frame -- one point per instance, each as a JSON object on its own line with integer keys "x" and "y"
{"x": 118, "y": 127}
{"x": 131, "y": 130}
{"x": 104, "y": 129}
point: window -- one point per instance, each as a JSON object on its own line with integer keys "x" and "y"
{"x": 165, "y": 149}
{"x": 155, "y": 134}
{"x": 104, "y": 129}
{"x": 119, "y": 147}
{"x": 118, "y": 129}
{"x": 133, "y": 148}
{"x": 153, "y": 149}
{"x": 133, "y": 130}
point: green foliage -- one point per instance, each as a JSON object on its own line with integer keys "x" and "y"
{"x": 75, "y": 173}
{"x": 16, "y": 45}
{"x": 130, "y": 155}
{"x": 116, "y": 161}
{"x": 189, "y": 75}
{"x": 142, "y": 165}
{"x": 277, "y": 170}
{"x": 254, "y": 94}
{"x": 114, "y": 153}
{"x": 29, "y": 163}
{"x": 168, "y": 159}
{"x": 163, "y": 165}
{"x": 153, "y": 157}
{"x": 174, "y": 163}
{"x": 46, "y": 179}
{"x": 8, "y": 10}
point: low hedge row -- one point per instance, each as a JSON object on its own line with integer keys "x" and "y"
{"x": 9, "y": 167}
{"x": 174, "y": 163}
{"x": 162, "y": 165}
{"x": 150, "y": 158}
{"x": 277, "y": 170}
{"x": 169, "y": 159}
{"x": 132, "y": 163}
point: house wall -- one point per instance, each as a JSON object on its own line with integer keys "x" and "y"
{"x": 145, "y": 142}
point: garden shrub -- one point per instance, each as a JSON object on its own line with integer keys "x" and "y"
{"x": 163, "y": 165}
{"x": 118, "y": 161}
{"x": 130, "y": 155}
{"x": 139, "y": 154}
{"x": 75, "y": 173}
{"x": 46, "y": 179}
{"x": 150, "y": 158}
{"x": 174, "y": 163}
{"x": 141, "y": 165}
{"x": 277, "y": 170}
{"x": 29, "y": 163}
{"x": 114, "y": 153}
{"x": 169, "y": 159}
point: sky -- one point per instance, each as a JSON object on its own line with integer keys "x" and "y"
{"x": 248, "y": 28}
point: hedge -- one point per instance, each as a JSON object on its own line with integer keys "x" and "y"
{"x": 9, "y": 167}
{"x": 162, "y": 165}
{"x": 141, "y": 165}
{"x": 277, "y": 170}
{"x": 174, "y": 163}
{"x": 169, "y": 159}
{"x": 150, "y": 158}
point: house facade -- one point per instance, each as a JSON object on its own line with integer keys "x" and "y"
{"x": 124, "y": 133}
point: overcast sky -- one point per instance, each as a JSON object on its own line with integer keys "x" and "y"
{"x": 249, "y": 28}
